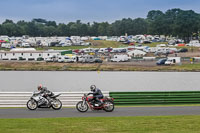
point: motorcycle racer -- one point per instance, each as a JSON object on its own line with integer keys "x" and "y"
{"x": 97, "y": 94}
{"x": 45, "y": 92}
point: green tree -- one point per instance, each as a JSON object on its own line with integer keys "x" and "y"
{"x": 140, "y": 26}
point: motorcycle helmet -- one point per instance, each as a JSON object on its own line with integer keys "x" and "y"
{"x": 92, "y": 87}
{"x": 39, "y": 87}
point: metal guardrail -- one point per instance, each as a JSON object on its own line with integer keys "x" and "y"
{"x": 69, "y": 99}
{"x": 19, "y": 99}
{"x": 176, "y": 97}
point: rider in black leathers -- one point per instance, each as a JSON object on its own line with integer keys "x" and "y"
{"x": 97, "y": 94}
{"x": 45, "y": 93}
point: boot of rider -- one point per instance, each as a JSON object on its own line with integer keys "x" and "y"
{"x": 99, "y": 101}
{"x": 48, "y": 101}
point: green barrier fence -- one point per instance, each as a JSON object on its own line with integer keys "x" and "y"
{"x": 134, "y": 98}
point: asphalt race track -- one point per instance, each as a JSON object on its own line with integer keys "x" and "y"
{"x": 119, "y": 111}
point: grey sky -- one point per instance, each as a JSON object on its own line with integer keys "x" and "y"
{"x": 88, "y": 10}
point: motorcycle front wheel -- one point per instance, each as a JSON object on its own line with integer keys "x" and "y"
{"x": 108, "y": 106}
{"x": 56, "y": 104}
{"x": 32, "y": 105}
{"x": 81, "y": 107}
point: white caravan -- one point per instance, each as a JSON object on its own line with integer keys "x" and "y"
{"x": 136, "y": 53}
{"x": 120, "y": 58}
{"x": 194, "y": 43}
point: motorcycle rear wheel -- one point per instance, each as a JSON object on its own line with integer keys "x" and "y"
{"x": 109, "y": 106}
{"x": 32, "y": 105}
{"x": 57, "y": 104}
{"x": 81, "y": 107}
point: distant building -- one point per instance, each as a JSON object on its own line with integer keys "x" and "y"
{"x": 28, "y": 55}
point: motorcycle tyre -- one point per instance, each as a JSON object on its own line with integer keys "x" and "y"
{"x": 32, "y": 108}
{"x": 59, "y": 107}
{"x": 81, "y": 102}
{"x": 112, "y": 108}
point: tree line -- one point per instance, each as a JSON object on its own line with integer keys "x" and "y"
{"x": 173, "y": 22}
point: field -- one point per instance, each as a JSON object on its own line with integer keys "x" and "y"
{"x": 113, "y": 44}
{"x": 107, "y": 66}
{"x": 106, "y": 44}
{"x": 145, "y": 124}
{"x": 95, "y": 44}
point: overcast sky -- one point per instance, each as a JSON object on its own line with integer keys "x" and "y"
{"x": 64, "y": 11}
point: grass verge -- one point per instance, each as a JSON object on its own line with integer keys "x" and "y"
{"x": 42, "y": 66}
{"x": 145, "y": 124}
{"x": 95, "y": 44}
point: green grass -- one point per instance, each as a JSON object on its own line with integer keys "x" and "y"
{"x": 106, "y": 44}
{"x": 63, "y": 48}
{"x": 145, "y": 124}
{"x": 95, "y": 44}
{"x": 187, "y": 67}
{"x": 190, "y": 48}
{"x": 154, "y": 44}
{"x": 5, "y": 49}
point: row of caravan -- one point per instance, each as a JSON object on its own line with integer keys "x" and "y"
{"x": 27, "y": 55}
{"x": 55, "y": 56}
{"x": 75, "y": 58}
{"x": 87, "y": 59}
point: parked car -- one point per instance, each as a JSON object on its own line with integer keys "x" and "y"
{"x": 182, "y": 50}
{"x": 41, "y": 59}
{"x": 103, "y": 50}
{"x": 66, "y": 59}
{"x": 50, "y": 59}
{"x": 89, "y": 59}
{"x": 164, "y": 52}
{"x": 98, "y": 60}
{"x": 161, "y": 61}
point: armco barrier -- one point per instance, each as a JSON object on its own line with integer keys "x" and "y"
{"x": 19, "y": 99}
{"x": 134, "y": 98}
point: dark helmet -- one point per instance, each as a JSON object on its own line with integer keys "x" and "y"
{"x": 39, "y": 87}
{"x": 92, "y": 87}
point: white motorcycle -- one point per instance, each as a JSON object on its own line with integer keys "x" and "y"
{"x": 38, "y": 101}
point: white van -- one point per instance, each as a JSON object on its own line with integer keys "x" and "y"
{"x": 122, "y": 58}
{"x": 173, "y": 61}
